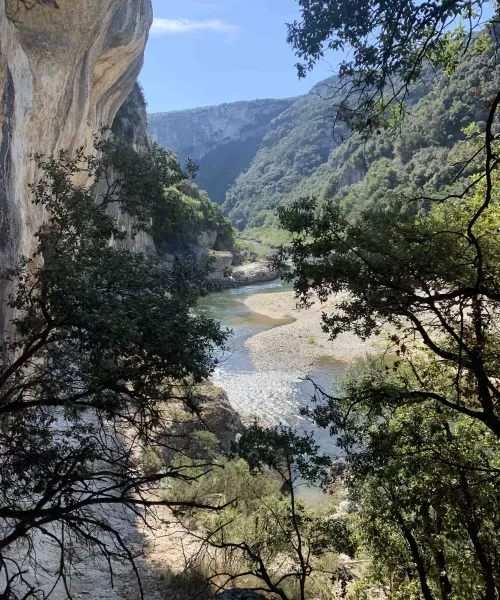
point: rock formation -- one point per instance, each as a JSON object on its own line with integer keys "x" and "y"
{"x": 222, "y": 140}
{"x": 131, "y": 122}
{"x": 65, "y": 70}
{"x": 194, "y": 133}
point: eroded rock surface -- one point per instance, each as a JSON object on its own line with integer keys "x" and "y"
{"x": 65, "y": 70}
{"x": 253, "y": 272}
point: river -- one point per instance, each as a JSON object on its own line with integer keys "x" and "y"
{"x": 272, "y": 396}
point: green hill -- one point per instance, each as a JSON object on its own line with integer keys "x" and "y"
{"x": 255, "y": 156}
{"x": 302, "y": 155}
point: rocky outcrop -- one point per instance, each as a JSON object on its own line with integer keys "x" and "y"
{"x": 228, "y": 275}
{"x": 207, "y": 239}
{"x": 220, "y": 262}
{"x": 66, "y": 67}
{"x": 208, "y": 410}
{"x": 131, "y": 122}
{"x": 253, "y": 272}
{"x": 222, "y": 140}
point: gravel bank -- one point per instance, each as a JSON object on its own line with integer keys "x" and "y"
{"x": 301, "y": 345}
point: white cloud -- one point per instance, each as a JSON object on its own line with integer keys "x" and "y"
{"x": 163, "y": 27}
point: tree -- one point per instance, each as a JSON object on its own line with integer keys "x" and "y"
{"x": 426, "y": 479}
{"x": 431, "y": 275}
{"x": 389, "y": 43}
{"x": 100, "y": 342}
{"x": 268, "y": 540}
{"x": 421, "y": 426}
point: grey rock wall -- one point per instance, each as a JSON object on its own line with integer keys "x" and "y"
{"x": 65, "y": 70}
{"x": 222, "y": 140}
{"x": 194, "y": 133}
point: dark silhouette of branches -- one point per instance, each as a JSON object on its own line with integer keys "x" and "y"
{"x": 388, "y": 46}
{"x": 287, "y": 551}
{"x": 102, "y": 342}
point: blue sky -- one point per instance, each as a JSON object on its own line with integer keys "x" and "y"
{"x": 204, "y": 52}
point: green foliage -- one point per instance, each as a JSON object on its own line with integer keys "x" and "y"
{"x": 247, "y": 251}
{"x": 391, "y": 43}
{"x": 426, "y": 479}
{"x": 191, "y": 212}
{"x": 191, "y": 583}
{"x": 420, "y": 434}
{"x": 411, "y": 245}
{"x": 306, "y": 153}
{"x": 285, "y": 452}
{"x": 100, "y": 340}
{"x": 231, "y": 480}
{"x": 270, "y": 233}
{"x": 181, "y": 210}
{"x": 299, "y": 140}
{"x": 266, "y": 538}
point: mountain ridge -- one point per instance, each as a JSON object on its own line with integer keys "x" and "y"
{"x": 221, "y": 139}
{"x": 156, "y": 115}
{"x": 300, "y": 154}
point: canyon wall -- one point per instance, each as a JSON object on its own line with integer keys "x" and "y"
{"x": 222, "y": 140}
{"x": 131, "y": 122}
{"x": 66, "y": 67}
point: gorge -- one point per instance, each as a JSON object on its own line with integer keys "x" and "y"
{"x": 249, "y": 351}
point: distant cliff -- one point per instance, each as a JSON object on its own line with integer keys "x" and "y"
{"x": 222, "y": 140}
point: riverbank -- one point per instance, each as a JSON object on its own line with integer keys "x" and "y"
{"x": 300, "y": 345}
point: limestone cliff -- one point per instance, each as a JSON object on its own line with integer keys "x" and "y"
{"x": 66, "y": 67}
{"x": 222, "y": 140}
{"x": 131, "y": 122}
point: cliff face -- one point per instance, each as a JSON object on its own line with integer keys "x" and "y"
{"x": 66, "y": 67}
{"x": 222, "y": 140}
{"x": 131, "y": 122}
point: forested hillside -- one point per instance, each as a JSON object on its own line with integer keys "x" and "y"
{"x": 222, "y": 140}
{"x": 302, "y": 155}
{"x": 260, "y": 163}
{"x": 299, "y": 141}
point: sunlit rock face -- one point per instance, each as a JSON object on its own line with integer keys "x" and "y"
{"x": 65, "y": 69}
{"x": 222, "y": 139}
